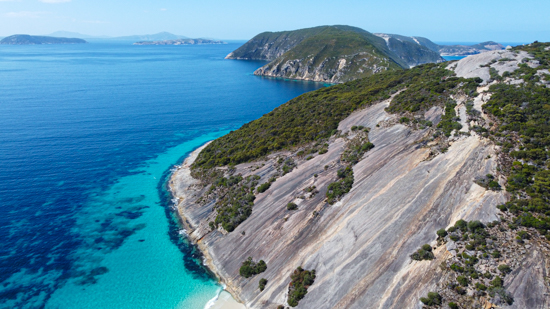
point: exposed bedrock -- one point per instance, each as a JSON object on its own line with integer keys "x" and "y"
{"x": 360, "y": 246}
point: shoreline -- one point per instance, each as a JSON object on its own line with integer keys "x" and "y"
{"x": 222, "y": 301}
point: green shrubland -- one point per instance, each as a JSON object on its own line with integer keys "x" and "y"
{"x": 301, "y": 280}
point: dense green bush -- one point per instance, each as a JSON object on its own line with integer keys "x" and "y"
{"x": 314, "y": 116}
{"x": 262, "y": 283}
{"x": 235, "y": 202}
{"x": 249, "y": 268}
{"x": 291, "y": 206}
{"x": 464, "y": 281}
{"x": 453, "y": 305}
{"x": 424, "y": 253}
{"x": 433, "y": 299}
{"x": 441, "y": 233}
{"x": 449, "y": 121}
{"x": 339, "y": 188}
{"x": 300, "y": 281}
{"x": 504, "y": 269}
{"x": 263, "y": 187}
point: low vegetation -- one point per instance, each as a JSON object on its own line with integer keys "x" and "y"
{"x": 249, "y": 268}
{"x": 316, "y": 115}
{"x": 521, "y": 115}
{"x": 481, "y": 245}
{"x": 424, "y": 253}
{"x": 262, "y": 283}
{"x": 433, "y": 299}
{"x": 301, "y": 280}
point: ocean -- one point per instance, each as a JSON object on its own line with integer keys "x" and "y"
{"x": 88, "y": 136}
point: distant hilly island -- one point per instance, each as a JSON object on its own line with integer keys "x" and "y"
{"x": 336, "y": 54}
{"x": 161, "y": 36}
{"x": 25, "y": 39}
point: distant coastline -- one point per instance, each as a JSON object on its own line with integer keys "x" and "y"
{"x": 181, "y": 42}
{"x": 25, "y": 39}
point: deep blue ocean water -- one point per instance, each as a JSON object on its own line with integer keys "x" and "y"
{"x": 88, "y": 134}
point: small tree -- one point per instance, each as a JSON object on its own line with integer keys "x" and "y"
{"x": 262, "y": 284}
{"x": 433, "y": 299}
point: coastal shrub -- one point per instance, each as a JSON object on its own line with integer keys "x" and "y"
{"x": 504, "y": 269}
{"x": 449, "y": 121}
{"x": 441, "y": 233}
{"x": 424, "y": 253}
{"x": 263, "y": 187}
{"x": 339, "y": 188}
{"x": 497, "y": 282}
{"x": 523, "y": 235}
{"x": 235, "y": 200}
{"x": 480, "y": 286}
{"x": 300, "y": 281}
{"x": 262, "y": 283}
{"x": 291, "y": 206}
{"x": 249, "y": 268}
{"x": 453, "y": 305}
{"x": 462, "y": 280}
{"x": 461, "y": 225}
{"x": 314, "y": 116}
{"x": 433, "y": 299}
{"x": 457, "y": 268}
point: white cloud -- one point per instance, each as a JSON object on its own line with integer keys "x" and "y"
{"x": 163, "y": 9}
{"x": 54, "y": 1}
{"x": 25, "y": 14}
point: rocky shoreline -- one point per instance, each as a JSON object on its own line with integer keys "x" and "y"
{"x": 182, "y": 178}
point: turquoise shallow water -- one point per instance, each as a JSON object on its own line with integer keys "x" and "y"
{"x": 88, "y": 134}
{"x": 163, "y": 281}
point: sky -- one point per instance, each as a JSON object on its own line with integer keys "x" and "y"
{"x": 441, "y": 21}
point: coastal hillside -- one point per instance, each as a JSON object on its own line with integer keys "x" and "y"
{"x": 395, "y": 43}
{"x": 418, "y": 188}
{"x": 332, "y": 54}
{"x": 24, "y": 39}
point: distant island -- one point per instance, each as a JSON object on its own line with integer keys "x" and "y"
{"x": 337, "y": 54}
{"x": 25, "y": 39}
{"x": 181, "y": 42}
{"x": 332, "y": 54}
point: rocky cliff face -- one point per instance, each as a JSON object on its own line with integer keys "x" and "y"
{"x": 332, "y": 70}
{"x": 405, "y": 189}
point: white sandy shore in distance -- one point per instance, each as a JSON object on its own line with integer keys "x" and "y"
{"x": 226, "y": 301}
{"x": 182, "y": 177}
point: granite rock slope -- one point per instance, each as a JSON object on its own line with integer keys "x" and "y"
{"x": 360, "y": 246}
